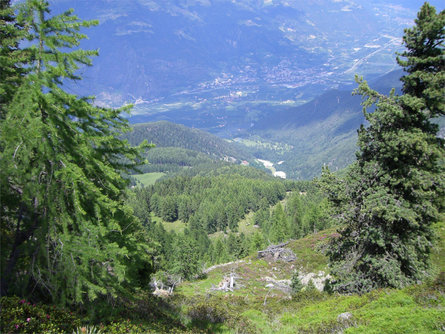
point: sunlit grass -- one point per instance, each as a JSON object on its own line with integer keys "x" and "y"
{"x": 148, "y": 179}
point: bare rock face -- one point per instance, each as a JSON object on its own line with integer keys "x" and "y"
{"x": 272, "y": 283}
{"x": 277, "y": 252}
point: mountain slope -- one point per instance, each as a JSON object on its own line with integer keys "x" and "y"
{"x": 167, "y": 134}
{"x": 161, "y": 52}
{"x": 320, "y": 132}
{"x": 260, "y": 303}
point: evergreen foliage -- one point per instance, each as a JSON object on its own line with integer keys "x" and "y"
{"x": 12, "y": 58}
{"x": 295, "y": 284}
{"x": 174, "y": 160}
{"x": 310, "y": 287}
{"x": 66, "y": 233}
{"x": 424, "y": 63}
{"x": 213, "y": 202}
{"x": 279, "y": 230}
{"x": 393, "y": 194}
{"x": 185, "y": 259}
{"x": 166, "y": 134}
{"x": 217, "y": 201}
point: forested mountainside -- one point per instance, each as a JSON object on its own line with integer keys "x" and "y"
{"x": 167, "y": 134}
{"x": 224, "y": 215}
{"x": 174, "y": 160}
{"x": 176, "y": 62}
{"x": 180, "y": 150}
{"x": 320, "y": 132}
{"x": 304, "y": 138}
{"x": 86, "y": 250}
{"x": 328, "y": 104}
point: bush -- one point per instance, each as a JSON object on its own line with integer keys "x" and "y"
{"x": 215, "y": 313}
{"x": 296, "y": 284}
{"x": 123, "y": 326}
{"x": 208, "y": 312}
{"x": 20, "y": 316}
{"x": 310, "y": 287}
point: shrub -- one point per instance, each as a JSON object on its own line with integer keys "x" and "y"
{"x": 296, "y": 284}
{"x": 310, "y": 286}
{"x": 216, "y": 313}
{"x": 123, "y": 326}
{"x": 20, "y": 316}
{"x": 208, "y": 312}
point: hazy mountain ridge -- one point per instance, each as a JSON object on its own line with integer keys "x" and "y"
{"x": 167, "y": 134}
{"x": 320, "y": 132}
{"x": 181, "y": 47}
{"x": 300, "y": 138}
{"x": 250, "y": 69}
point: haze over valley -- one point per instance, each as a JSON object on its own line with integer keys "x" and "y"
{"x": 222, "y": 166}
{"x": 273, "y": 75}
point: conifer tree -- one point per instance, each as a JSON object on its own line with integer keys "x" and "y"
{"x": 185, "y": 261}
{"x": 424, "y": 62}
{"x": 11, "y": 57}
{"x": 257, "y": 242}
{"x": 66, "y": 232}
{"x": 279, "y": 229}
{"x": 296, "y": 285}
{"x": 394, "y": 193}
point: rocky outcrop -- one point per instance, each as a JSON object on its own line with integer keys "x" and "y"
{"x": 277, "y": 252}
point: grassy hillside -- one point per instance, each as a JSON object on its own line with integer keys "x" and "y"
{"x": 253, "y": 273}
{"x": 255, "y": 308}
{"x": 148, "y": 179}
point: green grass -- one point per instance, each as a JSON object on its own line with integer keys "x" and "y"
{"x": 383, "y": 311}
{"x": 309, "y": 250}
{"x": 194, "y": 288}
{"x": 148, "y": 179}
{"x": 438, "y": 255}
{"x": 246, "y": 224}
{"x": 177, "y": 226}
{"x": 414, "y": 309}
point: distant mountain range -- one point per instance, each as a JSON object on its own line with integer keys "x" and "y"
{"x": 273, "y": 75}
{"x": 167, "y": 55}
{"x": 320, "y": 132}
{"x": 295, "y": 140}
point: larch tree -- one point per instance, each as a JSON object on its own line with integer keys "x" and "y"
{"x": 12, "y": 57}
{"x": 67, "y": 234}
{"x": 395, "y": 191}
{"x": 279, "y": 229}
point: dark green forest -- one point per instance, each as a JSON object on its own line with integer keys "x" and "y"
{"x": 186, "y": 151}
{"x": 167, "y": 134}
{"x": 85, "y": 250}
{"x": 216, "y": 202}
